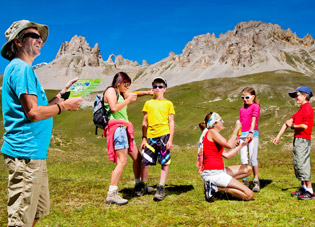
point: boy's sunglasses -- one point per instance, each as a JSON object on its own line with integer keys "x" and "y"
{"x": 127, "y": 85}
{"x": 32, "y": 35}
{"x": 246, "y": 97}
{"x": 297, "y": 94}
{"x": 158, "y": 86}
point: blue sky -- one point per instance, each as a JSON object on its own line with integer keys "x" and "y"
{"x": 148, "y": 29}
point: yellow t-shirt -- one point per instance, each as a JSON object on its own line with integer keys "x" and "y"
{"x": 158, "y": 112}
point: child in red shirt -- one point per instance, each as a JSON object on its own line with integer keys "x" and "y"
{"x": 302, "y": 123}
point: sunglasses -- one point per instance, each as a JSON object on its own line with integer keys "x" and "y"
{"x": 246, "y": 97}
{"x": 127, "y": 85}
{"x": 158, "y": 86}
{"x": 32, "y": 35}
{"x": 297, "y": 94}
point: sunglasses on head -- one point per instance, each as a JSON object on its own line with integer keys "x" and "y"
{"x": 246, "y": 97}
{"x": 158, "y": 86}
{"x": 32, "y": 35}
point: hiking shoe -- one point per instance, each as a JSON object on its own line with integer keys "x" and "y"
{"x": 209, "y": 191}
{"x": 160, "y": 193}
{"x": 142, "y": 188}
{"x": 114, "y": 198}
{"x": 256, "y": 187}
{"x": 246, "y": 182}
{"x": 297, "y": 193}
{"x": 306, "y": 196}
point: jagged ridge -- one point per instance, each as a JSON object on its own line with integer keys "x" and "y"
{"x": 251, "y": 47}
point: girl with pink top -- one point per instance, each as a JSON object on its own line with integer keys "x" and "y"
{"x": 249, "y": 116}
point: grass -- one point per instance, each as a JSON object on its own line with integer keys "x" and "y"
{"x": 79, "y": 172}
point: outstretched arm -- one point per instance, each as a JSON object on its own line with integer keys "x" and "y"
{"x": 141, "y": 93}
{"x": 234, "y": 151}
{"x": 282, "y": 130}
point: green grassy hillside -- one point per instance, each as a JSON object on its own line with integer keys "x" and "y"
{"x": 193, "y": 101}
{"x": 79, "y": 173}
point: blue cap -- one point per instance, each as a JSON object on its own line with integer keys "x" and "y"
{"x": 304, "y": 89}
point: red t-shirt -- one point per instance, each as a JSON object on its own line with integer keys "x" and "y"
{"x": 212, "y": 155}
{"x": 305, "y": 116}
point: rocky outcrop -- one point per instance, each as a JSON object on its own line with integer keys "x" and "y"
{"x": 120, "y": 61}
{"x": 79, "y": 47}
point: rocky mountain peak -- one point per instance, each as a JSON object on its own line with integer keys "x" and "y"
{"x": 79, "y": 47}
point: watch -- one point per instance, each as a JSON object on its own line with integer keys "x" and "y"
{"x": 251, "y": 131}
{"x": 292, "y": 126}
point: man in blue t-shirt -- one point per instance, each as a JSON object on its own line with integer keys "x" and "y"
{"x": 27, "y": 117}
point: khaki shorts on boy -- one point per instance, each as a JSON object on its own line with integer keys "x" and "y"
{"x": 27, "y": 190}
{"x": 301, "y": 158}
{"x": 155, "y": 148}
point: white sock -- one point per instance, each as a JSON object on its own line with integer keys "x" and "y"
{"x": 310, "y": 190}
{"x": 138, "y": 180}
{"x": 112, "y": 188}
{"x": 304, "y": 187}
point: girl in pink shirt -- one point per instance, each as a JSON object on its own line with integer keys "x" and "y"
{"x": 249, "y": 116}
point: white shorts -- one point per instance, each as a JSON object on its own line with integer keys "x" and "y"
{"x": 251, "y": 149}
{"x": 218, "y": 177}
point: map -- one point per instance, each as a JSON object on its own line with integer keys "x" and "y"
{"x": 83, "y": 87}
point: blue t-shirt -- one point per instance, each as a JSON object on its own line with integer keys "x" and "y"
{"x": 23, "y": 138}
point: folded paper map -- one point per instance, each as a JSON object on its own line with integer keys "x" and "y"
{"x": 83, "y": 87}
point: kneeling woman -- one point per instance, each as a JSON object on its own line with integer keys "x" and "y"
{"x": 210, "y": 163}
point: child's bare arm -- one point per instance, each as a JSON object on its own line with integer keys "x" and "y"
{"x": 169, "y": 144}
{"x": 282, "y": 130}
{"x": 142, "y": 93}
{"x": 144, "y": 130}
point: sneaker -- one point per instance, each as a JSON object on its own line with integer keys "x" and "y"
{"x": 160, "y": 193}
{"x": 209, "y": 191}
{"x": 256, "y": 187}
{"x": 246, "y": 182}
{"x": 299, "y": 192}
{"x": 306, "y": 196}
{"x": 142, "y": 188}
{"x": 114, "y": 198}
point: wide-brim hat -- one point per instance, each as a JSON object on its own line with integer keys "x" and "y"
{"x": 15, "y": 29}
{"x": 159, "y": 80}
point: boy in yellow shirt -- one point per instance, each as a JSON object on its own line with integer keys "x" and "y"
{"x": 158, "y": 132}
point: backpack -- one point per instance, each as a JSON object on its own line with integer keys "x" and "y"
{"x": 100, "y": 114}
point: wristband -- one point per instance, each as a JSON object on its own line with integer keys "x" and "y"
{"x": 59, "y": 108}
{"x": 292, "y": 126}
{"x": 144, "y": 137}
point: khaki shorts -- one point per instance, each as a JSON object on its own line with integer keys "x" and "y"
{"x": 301, "y": 159}
{"x": 27, "y": 190}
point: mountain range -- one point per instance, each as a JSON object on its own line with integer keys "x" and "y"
{"x": 251, "y": 47}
